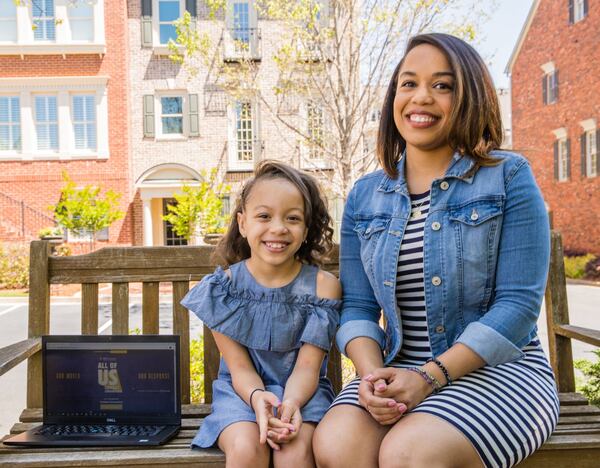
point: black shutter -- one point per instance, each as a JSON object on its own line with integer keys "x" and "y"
{"x": 146, "y": 7}
{"x": 571, "y": 12}
{"x": 582, "y": 145}
{"x": 545, "y": 89}
{"x": 568, "y": 158}
{"x": 190, "y": 7}
{"x": 585, "y": 8}
{"x": 556, "y": 160}
{"x": 555, "y": 82}
{"x": 597, "y": 153}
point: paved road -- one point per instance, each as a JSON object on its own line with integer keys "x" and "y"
{"x": 584, "y": 305}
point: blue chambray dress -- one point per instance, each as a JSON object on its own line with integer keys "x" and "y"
{"x": 272, "y": 323}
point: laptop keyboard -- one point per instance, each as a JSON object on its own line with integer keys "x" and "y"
{"x": 97, "y": 429}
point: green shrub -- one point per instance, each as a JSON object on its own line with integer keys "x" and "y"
{"x": 591, "y": 382}
{"x": 575, "y": 266}
{"x": 14, "y": 266}
{"x": 197, "y": 370}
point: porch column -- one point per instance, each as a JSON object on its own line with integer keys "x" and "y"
{"x": 148, "y": 241}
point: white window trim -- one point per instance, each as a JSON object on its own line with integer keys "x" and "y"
{"x": 62, "y": 45}
{"x": 234, "y": 163}
{"x": 158, "y": 48}
{"x": 548, "y": 67}
{"x": 81, "y": 18}
{"x": 560, "y": 133}
{"x": 63, "y": 88}
{"x": 7, "y": 19}
{"x": 159, "y": 135}
{"x": 562, "y": 157}
{"x": 578, "y": 11}
{"x": 588, "y": 124}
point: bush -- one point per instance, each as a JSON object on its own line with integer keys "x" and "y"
{"x": 591, "y": 383}
{"x": 592, "y": 269}
{"x": 575, "y": 266}
{"x": 14, "y": 266}
{"x": 197, "y": 370}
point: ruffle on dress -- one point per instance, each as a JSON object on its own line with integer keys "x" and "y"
{"x": 268, "y": 320}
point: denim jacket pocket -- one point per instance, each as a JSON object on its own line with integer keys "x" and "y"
{"x": 476, "y": 230}
{"x": 369, "y": 233}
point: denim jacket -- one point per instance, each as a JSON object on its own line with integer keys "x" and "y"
{"x": 486, "y": 253}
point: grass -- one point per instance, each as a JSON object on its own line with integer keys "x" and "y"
{"x": 13, "y": 293}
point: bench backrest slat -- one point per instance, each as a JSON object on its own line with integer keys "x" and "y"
{"x": 150, "y": 306}
{"x": 120, "y": 308}
{"x": 181, "y": 327}
{"x": 89, "y": 309}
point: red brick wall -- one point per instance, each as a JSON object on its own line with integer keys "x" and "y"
{"x": 573, "y": 48}
{"x": 37, "y": 183}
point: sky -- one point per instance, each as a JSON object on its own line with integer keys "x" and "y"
{"x": 499, "y": 35}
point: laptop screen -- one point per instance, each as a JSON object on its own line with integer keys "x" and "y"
{"x": 111, "y": 379}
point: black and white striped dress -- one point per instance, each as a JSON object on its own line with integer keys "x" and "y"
{"x": 506, "y": 411}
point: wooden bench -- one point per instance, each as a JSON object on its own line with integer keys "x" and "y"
{"x": 576, "y": 441}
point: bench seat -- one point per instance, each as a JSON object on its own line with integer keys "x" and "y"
{"x": 574, "y": 443}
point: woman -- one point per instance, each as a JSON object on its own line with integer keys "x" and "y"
{"x": 451, "y": 241}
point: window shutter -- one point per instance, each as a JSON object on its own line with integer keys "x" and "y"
{"x": 568, "y": 158}
{"x": 597, "y": 152}
{"x": 146, "y": 23}
{"x": 571, "y": 11}
{"x": 149, "y": 115}
{"x": 556, "y": 160}
{"x": 545, "y": 89}
{"x": 193, "y": 114}
{"x": 582, "y": 145}
{"x": 555, "y": 85}
{"x": 585, "y": 8}
{"x": 190, "y": 6}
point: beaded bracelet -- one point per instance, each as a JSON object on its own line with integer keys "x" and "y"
{"x": 430, "y": 379}
{"x": 252, "y": 394}
{"x": 442, "y": 367}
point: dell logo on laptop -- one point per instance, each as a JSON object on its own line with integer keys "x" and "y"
{"x": 111, "y": 420}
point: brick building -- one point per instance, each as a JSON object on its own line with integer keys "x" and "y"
{"x": 183, "y": 124}
{"x": 64, "y": 106}
{"x": 556, "y": 113}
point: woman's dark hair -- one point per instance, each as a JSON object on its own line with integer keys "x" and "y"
{"x": 234, "y": 248}
{"x": 475, "y": 121}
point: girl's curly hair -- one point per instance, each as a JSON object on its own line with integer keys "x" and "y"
{"x": 234, "y": 248}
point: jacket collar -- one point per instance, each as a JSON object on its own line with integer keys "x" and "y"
{"x": 460, "y": 168}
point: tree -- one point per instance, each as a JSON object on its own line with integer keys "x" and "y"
{"x": 84, "y": 211}
{"x": 334, "y": 59}
{"x": 198, "y": 210}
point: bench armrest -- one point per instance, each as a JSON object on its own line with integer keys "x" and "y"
{"x": 587, "y": 335}
{"x": 14, "y": 354}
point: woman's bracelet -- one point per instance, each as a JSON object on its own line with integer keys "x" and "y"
{"x": 430, "y": 379}
{"x": 252, "y": 394}
{"x": 442, "y": 367}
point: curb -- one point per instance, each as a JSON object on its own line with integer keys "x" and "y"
{"x": 583, "y": 282}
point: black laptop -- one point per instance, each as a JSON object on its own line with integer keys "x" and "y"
{"x": 108, "y": 391}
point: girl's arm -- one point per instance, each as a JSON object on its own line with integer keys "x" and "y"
{"x": 245, "y": 380}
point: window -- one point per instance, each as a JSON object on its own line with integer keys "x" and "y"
{"x": 10, "y": 123}
{"x": 84, "y": 121}
{"x": 168, "y": 12}
{"x": 171, "y": 115}
{"x": 241, "y": 24}
{"x": 578, "y": 10}
{"x": 550, "y": 87}
{"x": 591, "y": 153}
{"x": 243, "y": 38}
{"x": 171, "y": 237}
{"x": 561, "y": 156}
{"x": 81, "y": 20}
{"x": 43, "y": 20}
{"x": 314, "y": 120}
{"x": 244, "y": 134}
{"x": 8, "y": 21}
{"x": 46, "y": 123}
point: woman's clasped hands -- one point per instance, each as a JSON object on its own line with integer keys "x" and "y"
{"x": 278, "y": 422}
{"x": 387, "y": 393}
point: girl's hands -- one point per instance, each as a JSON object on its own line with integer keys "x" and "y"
{"x": 264, "y": 404}
{"x": 285, "y": 428}
{"x": 384, "y": 409}
{"x": 400, "y": 385}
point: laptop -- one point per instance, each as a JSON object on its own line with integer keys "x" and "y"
{"x": 107, "y": 391}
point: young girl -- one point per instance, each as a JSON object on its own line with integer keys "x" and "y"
{"x": 273, "y": 314}
{"x": 451, "y": 241}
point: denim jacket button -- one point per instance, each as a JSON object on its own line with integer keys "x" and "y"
{"x": 436, "y": 226}
{"x": 440, "y": 329}
{"x": 436, "y": 280}
{"x": 474, "y": 215}
{"x": 444, "y": 185}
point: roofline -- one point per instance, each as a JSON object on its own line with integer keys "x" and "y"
{"x": 522, "y": 35}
